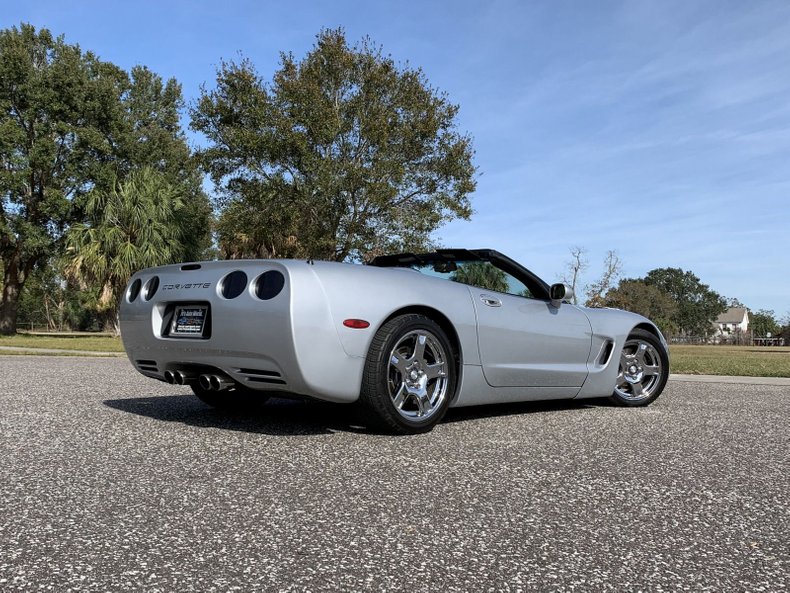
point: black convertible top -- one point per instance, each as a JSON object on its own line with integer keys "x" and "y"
{"x": 537, "y": 287}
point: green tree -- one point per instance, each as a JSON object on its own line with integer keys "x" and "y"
{"x": 697, "y": 305}
{"x": 48, "y": 300}
{"x": 764, "y": 322}
{"x": 71, "y": 124}
{"x": 637, "y": 296}
{"x": 257, "y": 227}
{"x": 784, "y": 331}
{"x": 151, "y": 136}
{"x": 482, "y": 275}
{"x": 343, "y": 155}
{"x": 136, "y": 225}
{"x": 56, "y": 107}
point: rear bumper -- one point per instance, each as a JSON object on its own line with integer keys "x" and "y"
{"x": 282, "y": 344}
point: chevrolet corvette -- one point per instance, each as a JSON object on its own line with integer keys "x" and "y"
{"x": 406, "y": 337}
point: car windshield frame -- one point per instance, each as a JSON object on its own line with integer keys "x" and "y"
{"x": 536, "y": 286}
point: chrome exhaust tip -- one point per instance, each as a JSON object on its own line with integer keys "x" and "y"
{"x": 182, "y": 378}
{"x": 205, "y": 382}
{"x": 220, "y": 383}
{"x": 169, "y": 377}
{"x": 215, "y": 382}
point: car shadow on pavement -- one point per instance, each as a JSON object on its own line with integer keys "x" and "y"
{"x": 519, "y": 408}
{"x": 276, "y": 417}
{"x": 288, "y": 417}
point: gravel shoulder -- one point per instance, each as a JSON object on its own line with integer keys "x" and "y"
{"x": 112, "y": 482}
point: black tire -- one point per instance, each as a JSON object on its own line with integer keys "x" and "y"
{"x": 236, "y": 399}
{"x": 643, "y": 372}
{"x": 413, "y": 395}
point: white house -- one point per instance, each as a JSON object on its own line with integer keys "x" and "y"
{"x": 733, "y": 321}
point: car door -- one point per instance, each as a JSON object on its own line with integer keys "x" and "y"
{"x": 526, "y": 342}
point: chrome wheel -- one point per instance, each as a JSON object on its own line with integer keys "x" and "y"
{"x": 417, "y": 375}
{"x": 641, "y": 371}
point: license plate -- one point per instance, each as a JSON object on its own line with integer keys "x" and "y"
{"x": 189, "y": 321}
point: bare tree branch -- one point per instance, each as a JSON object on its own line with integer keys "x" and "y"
{"x": 596, "y": 291}
{"x": 573, "y": 268}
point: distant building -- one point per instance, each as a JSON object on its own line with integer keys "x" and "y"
{"x": 734, "y": 320}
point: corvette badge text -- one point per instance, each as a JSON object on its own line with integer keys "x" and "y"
{"x": 183, "y": 286}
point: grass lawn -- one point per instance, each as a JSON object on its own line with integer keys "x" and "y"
{"x": 745, "y": 361}
{"x": 742, "y": 361}
{"x": 66, "y": 342}
{"x": 65, "y": 353}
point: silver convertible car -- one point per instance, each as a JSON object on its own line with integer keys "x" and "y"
{"x": 406, "y": 337}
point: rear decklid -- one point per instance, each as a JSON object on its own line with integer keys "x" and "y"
{"x": 209, "y": 313}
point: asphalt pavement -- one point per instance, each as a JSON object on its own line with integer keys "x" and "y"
{"x": 113, "y": 482}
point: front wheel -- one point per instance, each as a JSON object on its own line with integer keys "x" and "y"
{"x": 410, "y": 375}
{"x": 644, "y": 370}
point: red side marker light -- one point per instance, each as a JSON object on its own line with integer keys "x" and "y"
{"x": 356, "y": 323}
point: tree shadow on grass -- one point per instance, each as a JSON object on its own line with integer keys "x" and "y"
{"x": 309, "y": 417}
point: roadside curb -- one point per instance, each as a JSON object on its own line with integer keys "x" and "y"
{"x": 782, "y": 381}
{"x": 61, "y": 351}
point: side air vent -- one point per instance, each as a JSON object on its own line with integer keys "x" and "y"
{"x": 606, "y": 353}
{"x": 257, "y": 372}
{"x": 262, "y": 376}
{"x": 147, "y": 365}
{"x": 265, "y": 380}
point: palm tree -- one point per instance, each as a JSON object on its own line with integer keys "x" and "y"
{"x": 135, "y": 225}
{"x": 482, "y": 275}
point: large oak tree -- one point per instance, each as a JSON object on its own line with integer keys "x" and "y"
{"x": 72, "y": 124}
{"x": 697, "y": 304}
{"x": 676, "y": 300}
{"x": 56, "y": 109}
{"x": 343, "y": 155}
{"x": 635, "y": 295}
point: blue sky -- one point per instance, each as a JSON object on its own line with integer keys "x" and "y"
{"x": 658, "y": 129}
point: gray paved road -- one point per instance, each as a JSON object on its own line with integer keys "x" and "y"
{"x": 112, "y": 482}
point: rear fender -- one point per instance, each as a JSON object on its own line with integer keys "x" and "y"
{"x": 377, "y": 294}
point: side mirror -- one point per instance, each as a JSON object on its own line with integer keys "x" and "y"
{"x": 558, "y": 293}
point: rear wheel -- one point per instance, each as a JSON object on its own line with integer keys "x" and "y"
{"x": 644, "y": 370}
{"x": 410, "y": 375}
{"x": 235, "y": 399}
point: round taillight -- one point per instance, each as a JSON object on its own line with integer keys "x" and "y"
{"x": 134, "y": 290}
{"x": 269, "y": 284}
{"x": 233, "y": 284}
{"x": 150, "y": 288}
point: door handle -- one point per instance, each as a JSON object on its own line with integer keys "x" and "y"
{"x": 490, "y": 301}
